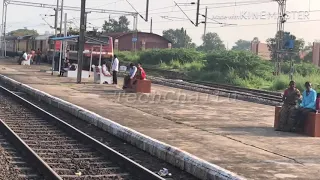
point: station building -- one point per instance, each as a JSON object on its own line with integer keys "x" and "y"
{"x": 261, "y": 50}
{"x": 144, "y": 40}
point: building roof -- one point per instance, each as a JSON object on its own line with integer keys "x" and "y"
{"x": 42, "y": 37}
{"x": 117, "y": 35}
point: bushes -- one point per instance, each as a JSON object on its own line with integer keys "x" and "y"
{"x": 239, "y": 68}
{"x": 154, "y": 57}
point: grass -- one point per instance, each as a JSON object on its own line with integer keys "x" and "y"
{"x": 211, "y": 70}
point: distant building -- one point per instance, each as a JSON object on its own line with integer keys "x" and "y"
{"x": 124, "y": 41}
{"x": 261, "y": 50}
{"x": 316, "y": 54}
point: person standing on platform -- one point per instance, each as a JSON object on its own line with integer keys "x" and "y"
{"x": 307, "y": 105}
{"x": 115, "y": 69}
{"x": 38, "y": 58}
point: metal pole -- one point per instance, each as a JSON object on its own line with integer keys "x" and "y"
{"x": 100, "y": 55}
{"x": 147, "y": 11}
{"x": 198, "y": 9}
{"x": 205, "y": 22}
{"x": 151, "y": 26}
{"x": 55, "y": 33}
{"x": 61, "y": 19}
{"x": 136, "y": 32}
{"x": 65, "y": 44}
{"x": 81, "y": 39}
{"x": 4, "y": 30}
{"x": 2, "y": 26}
{"x": 90, "y": 62}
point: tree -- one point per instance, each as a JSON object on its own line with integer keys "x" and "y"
{"x": 179, "y": 38}
{"x": 308, "y": 57}
{"x": 211, "y": 42}
{"x": 273, "y": 43}
{"x": 256, "y": 40}
{"x": 73, "y": 31}
{"x": 242, "y": 45}
{"x": 122, "y": 25}
{"x": 23, "y": 32}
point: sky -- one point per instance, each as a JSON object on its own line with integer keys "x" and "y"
{"x": 231, "y": 19}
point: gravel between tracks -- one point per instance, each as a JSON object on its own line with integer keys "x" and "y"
{"x": 208, "y": 90}
{"x": 7, "y": 170}
{"x": 139, "y": 156}
{"x": 12, "y": 164}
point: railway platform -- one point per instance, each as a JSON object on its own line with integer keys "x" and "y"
{"x": 232, "y": 134}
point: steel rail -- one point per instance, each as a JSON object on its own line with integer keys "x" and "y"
{"x": 28, "y": 153}
{"x": 134, "y": 168}
{"x": 225, "y": 90}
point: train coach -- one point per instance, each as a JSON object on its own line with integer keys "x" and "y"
{"x": 15, "y": 45}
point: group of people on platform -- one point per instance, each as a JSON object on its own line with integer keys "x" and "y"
{"x": 136, "y": 72}
{"x": 33, "y": 57}
{"x": 295, "y": 108}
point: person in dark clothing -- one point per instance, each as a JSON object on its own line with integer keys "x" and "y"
{"x": 129, "y": 79}
{"x": 38, "y": 58}
{"x": 66, "y": 65}
{"x": 307, "y": 105}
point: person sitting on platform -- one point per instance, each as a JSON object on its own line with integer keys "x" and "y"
{"x": 65, "y": 67}
{"x": 141, "y": 74}
{"x": 128, "y": 80}
{"x": 290, "y": 101}
{"x": 307, "y": 105}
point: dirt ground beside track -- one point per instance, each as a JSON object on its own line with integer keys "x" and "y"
{"x": 235, "y": 135}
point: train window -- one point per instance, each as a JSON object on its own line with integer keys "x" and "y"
{"x": 105, "y": 39}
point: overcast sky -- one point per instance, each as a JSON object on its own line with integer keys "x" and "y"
{"x": 248, "y": 18}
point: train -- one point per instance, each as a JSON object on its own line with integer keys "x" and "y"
{"x": 16, "y": 45}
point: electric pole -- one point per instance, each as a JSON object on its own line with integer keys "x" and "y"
{"x": 4, "y": 28}
{"x": 151, "y": 25}
{"x": 81, "y": 39}
{"x": 280, "y": 32}
{"x": 61, "y": 44}
{"x": 65, "y": 35}
{"x": 205, "y": 22}
{"x": 55, "y": 34}
{"x": 197, "y": 17}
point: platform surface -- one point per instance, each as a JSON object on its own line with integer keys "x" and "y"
{"x": 235, "y": 135}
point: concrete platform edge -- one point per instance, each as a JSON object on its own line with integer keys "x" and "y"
{"x": 185, "y": 161}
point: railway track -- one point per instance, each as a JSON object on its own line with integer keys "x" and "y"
{"x": 172, "y": 77}
{"x": 60, "y": 151}
{"x": 13, "y": 165}
{"x": 217, "y": 88}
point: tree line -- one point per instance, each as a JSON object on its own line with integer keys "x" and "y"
{"x": 180, "y": 39}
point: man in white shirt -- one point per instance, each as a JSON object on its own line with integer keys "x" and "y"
{"x": 115, "y": 69}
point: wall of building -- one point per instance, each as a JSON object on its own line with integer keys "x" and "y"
{"x": 145, "y": 41}
{"x": 316, "y": 54}
{"x": 261, "y": 50}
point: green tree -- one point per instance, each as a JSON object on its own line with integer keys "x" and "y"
{"x": 211, "y": 42}
{"x": 179, "y": 38}
{"x": 120, "y": 25}
{"x": 256, "y": 40}
{"x": 273, "y": 44}
{"x": 308, "y": 57}
{"x": 23, "y": 32}
{"x": 73, "y": 31}
{"x": 242, "y": 45}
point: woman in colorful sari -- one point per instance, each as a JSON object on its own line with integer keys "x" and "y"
{"x": 290, "y": 99}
